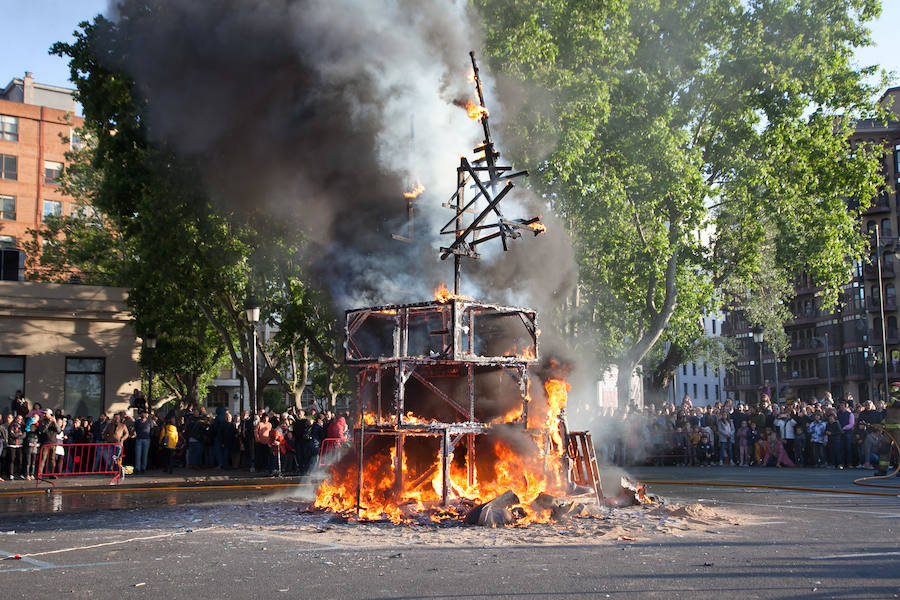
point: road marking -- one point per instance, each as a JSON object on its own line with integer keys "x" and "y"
{"x": 770, "y": 523}
{"x": 135, "y": 539}
{"x": 889, "y": 517}
{"x": 798, "y": 507}
{"x": 36, "y": 568}
{"x": 858, "y": 555}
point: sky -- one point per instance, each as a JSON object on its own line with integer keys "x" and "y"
{"x": 37, "y": 24}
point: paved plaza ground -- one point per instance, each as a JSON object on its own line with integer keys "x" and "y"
{"x": 216, "y": 541}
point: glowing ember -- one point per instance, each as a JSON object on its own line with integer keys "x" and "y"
{"x": 442, "y": 294}
{"x": 518, "y": 463}
{"x": 476, "y": 112}
{"x": 415, "y": 191}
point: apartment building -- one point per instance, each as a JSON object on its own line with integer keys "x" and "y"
{"x": 832, "y": 350}
{"x": 37, "y": 123}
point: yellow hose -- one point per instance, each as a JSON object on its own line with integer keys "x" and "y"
{"x": 861, "y": 479}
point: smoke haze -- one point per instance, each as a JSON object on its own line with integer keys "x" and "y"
{"x": 321, "y": 113}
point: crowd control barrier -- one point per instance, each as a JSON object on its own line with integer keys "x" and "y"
{"x": 330, "y": 451}
{"x": 60, "y": 460}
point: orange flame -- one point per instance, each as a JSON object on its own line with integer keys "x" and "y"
{"x": 538, "y": 227}
{"x": 415, "y": 191}
{"x": 476, "y": 112}
{"x": 519, "y": 466}
{"x": 442, "y": 294}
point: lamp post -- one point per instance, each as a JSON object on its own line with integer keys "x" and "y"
{"x": 252, "y": 310}
{"x": 884, "y": 349}
{"x": 150, "y": 343}
{"x": 870, "y": 360}
{"x": 251, "y": 307}
{"x": 758, "y": 338}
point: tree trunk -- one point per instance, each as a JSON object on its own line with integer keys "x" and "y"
{"x": 665, "y": 370}
{"x": 623, "y": 382}
{"x": 300, "y": 382}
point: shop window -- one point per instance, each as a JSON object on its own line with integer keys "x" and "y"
{"x": 84, "y": 386}
{"x": 12, "y": 375}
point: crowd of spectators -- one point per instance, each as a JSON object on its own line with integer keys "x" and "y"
{"x": 288, "y": 442}
{"x": 814, "y": 433}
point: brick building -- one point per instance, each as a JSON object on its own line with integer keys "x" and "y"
{"x": 36, "y": 131}
{"x": 830, "y": 349}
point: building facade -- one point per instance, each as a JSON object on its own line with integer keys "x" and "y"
{"x": 37, "y": 124}
{"x": 67, "y": 346}
{"x": 702, "y": 381}
{"x": 830, "y": 350}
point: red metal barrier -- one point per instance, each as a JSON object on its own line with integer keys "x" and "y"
{"x": 79, "y": 459}
{"x": 330, "y": 451}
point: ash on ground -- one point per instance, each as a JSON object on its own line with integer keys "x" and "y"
{"x": 286, "y": 517}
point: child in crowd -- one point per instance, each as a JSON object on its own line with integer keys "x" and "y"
{"x": 799, "y": 444}
{"x": 692, "y": 445}
{"x": 32, "y": 447}
{"x": 679, "y": 445}
{"x": 743, "y": 436}
{"x": 705, "y": 451}
{"x": 753, "y": 437}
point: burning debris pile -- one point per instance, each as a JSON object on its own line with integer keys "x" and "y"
{"x": 449, "y": 427}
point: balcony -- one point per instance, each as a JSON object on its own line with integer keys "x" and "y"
{"x": 875, "y": 336}
{"x": 887, "y": 271}
{"x": 806, "y": 346}
{"x": 874, "y": 304}
{"x": 880, "y": 204}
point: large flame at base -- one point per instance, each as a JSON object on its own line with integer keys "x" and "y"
{"x": 508, "y": 458}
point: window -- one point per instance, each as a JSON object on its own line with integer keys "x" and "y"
{"x": 8, "y": 208}
{"x": 714, "y": 326}
{"x": 52, "y": 171}
{"x": 9, "y": 128}
{"x": 694, "y": 370}
{"x": 9, "y": 167}
{"x": 685, "y": 390}
{"x": 84, "y": 386}
{"x": 12, "y": 260}
{"x": 705, "y": 373}
{"x": 52, "y": 207}
{"x": 684, "y": 371}
{"x": 75, "y": 141}
{"x": 897, "y": 159}
{"x": 717, "y": 393}
{"x": 12, "y": 375}
{"x": 695, "y": 392}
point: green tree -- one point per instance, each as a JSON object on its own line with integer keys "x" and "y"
{"x": 87, "y": 246}
{"x": 191, "y": 265}
{"x": 692, "y": 147}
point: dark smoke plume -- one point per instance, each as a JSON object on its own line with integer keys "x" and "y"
{"x": 322, "y": 112}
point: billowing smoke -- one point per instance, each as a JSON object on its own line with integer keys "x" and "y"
{"x": 321, "y": 113}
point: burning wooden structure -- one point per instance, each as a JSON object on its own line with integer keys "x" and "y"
{"x": 430, "y": 344}
{"x": 435, "y": 377}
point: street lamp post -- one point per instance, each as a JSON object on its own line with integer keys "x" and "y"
{"x": 758, "y": 338}
{"x": 824, "y": 341}
{"x": 150, "y": 343}
{"x": 252, "y": 310}
{"x": 870, "y": 360}
{"x": 884, "y": 348}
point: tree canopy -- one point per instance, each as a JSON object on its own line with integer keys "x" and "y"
{"x": 692, "y": 147}
{"x": 189, "y": 265}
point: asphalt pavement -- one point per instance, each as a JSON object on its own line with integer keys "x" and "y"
{"x": 791, "y": 543}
